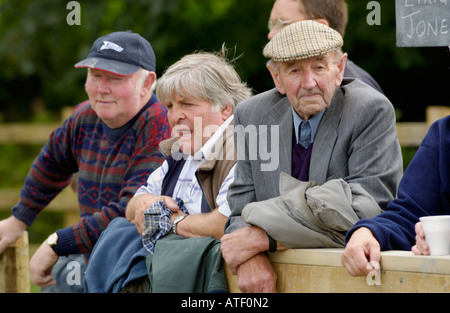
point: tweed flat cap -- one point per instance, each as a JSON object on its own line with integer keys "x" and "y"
{"x": 302, "y": 40}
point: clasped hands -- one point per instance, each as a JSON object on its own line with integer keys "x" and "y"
{"x": 243, "y": 251}
{"x": 140, "y": 203}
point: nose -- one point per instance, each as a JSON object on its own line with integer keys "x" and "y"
{"x": 103, "y": 85}
{"x": 175, "y": 115}
{"x": 272, "y": 33}
{"x": 308, "y": 80}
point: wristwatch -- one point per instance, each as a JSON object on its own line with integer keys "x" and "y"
{"x": 177, "y": 220}
{"x": 52, "y": 240}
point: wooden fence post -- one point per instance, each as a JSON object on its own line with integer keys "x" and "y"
{"x": 15, "y": 267}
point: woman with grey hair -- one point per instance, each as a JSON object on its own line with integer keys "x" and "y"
{"x": 185, "y": 196}
{"x": 203, "y": 75}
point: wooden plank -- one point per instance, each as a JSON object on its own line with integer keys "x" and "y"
{"x": 310, "y": 278}
{"x": 66, "y": 200}
{"x": 26, "y": 133}
{"x": 406, "y": 261}
{"x": 15, "y": 268}
{"x": 433, "y": 113}
{"x": 320, "y": 270}
{"x": 31, "y": 133}
{"x": 411, "y": 134}
{"x": 391, "y": 260}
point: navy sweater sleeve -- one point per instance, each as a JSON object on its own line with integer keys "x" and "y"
{"x": 424, "y": 190}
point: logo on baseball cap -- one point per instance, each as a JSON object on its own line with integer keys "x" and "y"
{"x": 121, "y": 53}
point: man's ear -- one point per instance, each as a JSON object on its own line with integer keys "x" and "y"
{"x": 227, "y": 111}
{"x": 276, "y": 78}
{"x": 148, "y": 84}
{"x": 341, "y": 69}
{"x": 322, "y": 21}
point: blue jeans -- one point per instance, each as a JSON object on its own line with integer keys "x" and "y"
{"x": 68, "y": 273}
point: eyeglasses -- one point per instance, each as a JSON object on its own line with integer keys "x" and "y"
{"x": 279, "y": 24}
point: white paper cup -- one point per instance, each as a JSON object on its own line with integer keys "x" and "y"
{"x": 437, "y": 233}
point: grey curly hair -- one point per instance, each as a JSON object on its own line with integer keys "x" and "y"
{"x": 203, "y": 75}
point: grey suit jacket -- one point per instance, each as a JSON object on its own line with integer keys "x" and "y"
{"x": 356, "y": 140}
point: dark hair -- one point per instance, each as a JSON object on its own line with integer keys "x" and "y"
{"x": 334, "y": 11}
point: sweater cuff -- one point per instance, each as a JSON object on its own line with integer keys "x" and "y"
{"x": 66, "y": 242}
{"x": 23, "y": 213}
{"x": 377, "y": 234}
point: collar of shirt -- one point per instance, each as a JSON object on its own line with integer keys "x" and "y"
{"x": 314, "y": 122}
{"x": 205, "y": 151}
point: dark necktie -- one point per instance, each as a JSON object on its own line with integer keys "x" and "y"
{"x": 305, "y": 134}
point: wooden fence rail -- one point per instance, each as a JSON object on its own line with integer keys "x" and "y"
{"x": 30, "y": 133}
{"x": 409, "y": 134}
{"x": 321, "y": 271}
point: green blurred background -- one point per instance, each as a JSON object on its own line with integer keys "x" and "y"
{"x": 38, "y": 50}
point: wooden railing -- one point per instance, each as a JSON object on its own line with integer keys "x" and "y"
{"x": 321, "y": 271}
{"x": 410, "y": 134}
{"x": 28, "y": 134}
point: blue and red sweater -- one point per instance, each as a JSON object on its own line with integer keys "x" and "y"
{"x": 111, "y": 165}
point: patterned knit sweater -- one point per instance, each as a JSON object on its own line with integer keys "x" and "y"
{"x": 111, "y": 165}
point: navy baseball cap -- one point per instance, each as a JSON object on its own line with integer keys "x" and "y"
{"x": 121, "y": 53}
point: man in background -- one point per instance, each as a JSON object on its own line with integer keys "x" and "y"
{"x": 332, "y": 13}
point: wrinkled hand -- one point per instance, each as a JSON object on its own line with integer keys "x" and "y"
{"x": 139, "y": 204}
{"x": 176, "y": 212}
{"x": 257, "y": 275}
{"x": 11, "y": 229}
{"x": 421, "y": 247}
{"x": 242, "y": 244}
{"x": 361, "y": 253}
{"x": 41, "y": 265}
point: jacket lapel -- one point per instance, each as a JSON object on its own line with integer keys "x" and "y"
{"x": 280, "y": 116}
{"x": 325, "y": 139}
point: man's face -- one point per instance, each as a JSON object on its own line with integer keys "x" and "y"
{"x": 309, "y": 84}
{"x": 193, "y": 122}
{"x": 115, "y": 99}
{"x": 287, "y": 11}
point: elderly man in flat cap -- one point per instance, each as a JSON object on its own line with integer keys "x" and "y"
{"x": 339, "y": 157}
{"x": 111, "y": 141}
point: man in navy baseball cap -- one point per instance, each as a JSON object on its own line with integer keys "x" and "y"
{"x": 121, "y": 53}
{"x": 111, "y": 141}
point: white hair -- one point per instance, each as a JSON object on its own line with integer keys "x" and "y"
{"x": 142, "y": 76}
